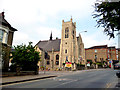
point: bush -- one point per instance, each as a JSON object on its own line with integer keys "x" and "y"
{"x": 26, "y": 57}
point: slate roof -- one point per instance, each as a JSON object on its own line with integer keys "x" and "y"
{"x": 112, "y": 47}
{"x": 5, "y": 23}
{"x": 98, "y": 47}
{"x": 47, "y": 45}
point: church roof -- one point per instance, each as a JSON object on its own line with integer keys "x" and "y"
{"x": 48, "y": 45}
{"x": 5, "y": 23}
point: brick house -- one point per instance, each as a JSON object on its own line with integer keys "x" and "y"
{"x": 100, "y": 54}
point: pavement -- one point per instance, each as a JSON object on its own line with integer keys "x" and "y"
{"x": 41, "y": 75}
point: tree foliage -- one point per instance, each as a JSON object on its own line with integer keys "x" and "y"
{"x": 25, "y": 56}
{"x": 108, "y": 16}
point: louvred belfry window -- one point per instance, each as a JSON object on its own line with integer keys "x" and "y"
{"x": 67, "y": 32}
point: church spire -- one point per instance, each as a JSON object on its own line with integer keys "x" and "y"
{"x": 71, "y": 19}
{"x": 51, "y": 36}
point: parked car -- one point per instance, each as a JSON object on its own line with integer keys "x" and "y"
{"x": 117, "y": 66}
{"x": 118, "y": 74}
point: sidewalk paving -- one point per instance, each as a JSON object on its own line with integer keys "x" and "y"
{"x": 41, "y": 75}
{"x": 16, "y": 79}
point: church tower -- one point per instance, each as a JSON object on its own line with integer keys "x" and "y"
{"x": 68, "y": 43}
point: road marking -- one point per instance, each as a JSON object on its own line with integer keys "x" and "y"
{"x": 108, "y": 85}
{"x": 65, "y": 83}
{"x": 23, "y": 82}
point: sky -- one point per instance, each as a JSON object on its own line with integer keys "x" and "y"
{"x": 36, "y": 19}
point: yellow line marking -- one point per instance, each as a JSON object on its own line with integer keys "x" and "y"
{"x": 108, "y": 85}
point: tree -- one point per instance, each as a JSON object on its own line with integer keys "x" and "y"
{"x": 108, "y": 16}
{"x": 25, "y": 57}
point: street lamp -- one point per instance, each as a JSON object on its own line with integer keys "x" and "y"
{"x": 96, "y": 61}
{"x": 82, "y": 31}
{"x": 81, "y": 53}
{"x": 111, "y": 55}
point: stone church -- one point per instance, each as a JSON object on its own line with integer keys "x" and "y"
{"x": 59, "y": 51}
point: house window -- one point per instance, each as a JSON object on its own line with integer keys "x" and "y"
{"x": 3, "y": 36}
{"x": 95, "y": 50}
{"x": 66, "y": 51}
{"x": 6, "y": 38}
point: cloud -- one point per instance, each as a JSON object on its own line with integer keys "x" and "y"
{"x": 35, "y": 19}
{"x": 44, "y": 33}
{"x": 29, "y": 11}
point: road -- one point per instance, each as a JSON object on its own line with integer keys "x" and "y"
{"x": 105, "y": 78}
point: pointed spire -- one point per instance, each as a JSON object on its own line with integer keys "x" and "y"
{"x": 51, "y": 36}
{"x": 71, "y": 19}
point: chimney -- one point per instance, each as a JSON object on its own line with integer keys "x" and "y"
{"x": 2, "y": 14}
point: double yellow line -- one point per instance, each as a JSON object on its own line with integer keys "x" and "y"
{"x": 108, "y": 85}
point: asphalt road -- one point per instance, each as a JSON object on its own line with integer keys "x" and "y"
{"x": 89, "y": 79}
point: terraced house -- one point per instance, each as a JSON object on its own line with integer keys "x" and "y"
{"x": 67, "y": 49}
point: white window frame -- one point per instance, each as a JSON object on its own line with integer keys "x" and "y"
{"x": 5, "y": 35}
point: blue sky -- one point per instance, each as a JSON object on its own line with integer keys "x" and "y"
{"x": 35, "y": 19}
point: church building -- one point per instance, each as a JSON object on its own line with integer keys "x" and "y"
{"x": 61, "y": 51}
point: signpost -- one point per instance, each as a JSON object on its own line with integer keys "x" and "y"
{"x": 68, "y": 64}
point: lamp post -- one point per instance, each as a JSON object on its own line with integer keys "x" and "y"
{"x": 82, "y": 31}
{"x": 111, "y": 55}
{"x": 45, "y": 57}
{"x": 119, "y": 45}
{"x": 83, "y": 52}
{"x": 96, "y": 61}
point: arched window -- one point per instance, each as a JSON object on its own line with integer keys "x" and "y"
{"x": 65, "y": 50}
{"x": 66, "y": 32}
{"x": 57, "y": 57}
{"x": 48, "y": 60}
